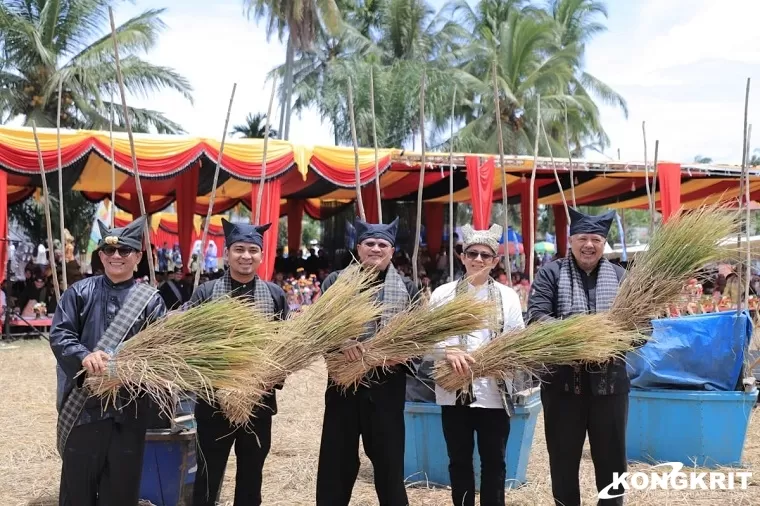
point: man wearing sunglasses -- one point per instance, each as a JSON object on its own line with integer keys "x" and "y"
{"x": 376, "y": 411}
{"x": 243, "y": 250}
{"x": 485, "y": 407}
{"x": 101, "y": 444}
{"x": 580, "y": 399}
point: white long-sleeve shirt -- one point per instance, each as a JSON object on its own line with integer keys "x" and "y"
{"x": 486, "y": 390}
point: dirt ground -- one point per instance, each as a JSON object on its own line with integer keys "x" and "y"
{"x": 30, "y": 466}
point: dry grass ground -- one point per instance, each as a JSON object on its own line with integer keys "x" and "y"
{"x": 29, "y": 464}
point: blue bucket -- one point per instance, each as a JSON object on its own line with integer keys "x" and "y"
{"x": 425, "y": 456}
{"x": 169, "y": 467}
{"x": 707, "y": 429}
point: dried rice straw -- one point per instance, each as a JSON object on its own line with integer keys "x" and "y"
{"x": 410, "y": 334}
{"x": 197, "y": 351}
{"x": 340, "y": 314}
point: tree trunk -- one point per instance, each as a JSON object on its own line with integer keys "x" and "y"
{"x": 288, "y": 85}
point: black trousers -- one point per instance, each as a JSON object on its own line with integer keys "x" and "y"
{"x": 376, "y": 414}
{"x": 460, "y": 424}
{"x": 567, "y": 418}
{"x": 102, "y": 465}
{"x": 215, "y": 439}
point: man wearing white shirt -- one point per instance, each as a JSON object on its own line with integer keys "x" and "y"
{"x": 485, "y": 407}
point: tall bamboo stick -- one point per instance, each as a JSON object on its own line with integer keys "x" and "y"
{"x": 257, "y": 221}
{"x": 556, "y": 175}
{"x": 48, "y": 224}
{"x": 374, "y": 137}
{"x": 135, "y": 169}
{"x": 570, "y": 159}
{"x": 744, "y": 185}
{"x": 60, "y": 188}
{"x": 418, "y": 228}
{"x": 532, "y": 190}
{"x": 504, "y": 195}
{"x": 451, "y": 188}
{"x": 653, "y": 204}
{"x": 357, "y": 176}
{"x": 210, "y": 211}
{"x": 748, "y": 265}
{"x": 113, "y": 167}
{"x": 646, "y": 179}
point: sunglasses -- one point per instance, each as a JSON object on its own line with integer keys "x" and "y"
{"x": 124, "y": 251}
{"x": 472, "y": 255}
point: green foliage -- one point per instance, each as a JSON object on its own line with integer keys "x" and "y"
{"x": 47, "y": 43}
{"x": 254, "y": 127}
{"x": 78, "y": 215}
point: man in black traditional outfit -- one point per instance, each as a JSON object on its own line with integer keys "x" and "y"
{"x": 172, "y": 290}
{"x": 243, "y": 247}
{"x": 580, "y": 399}
{"x": 374, "y": 412}
{"x": 102, "y": 446}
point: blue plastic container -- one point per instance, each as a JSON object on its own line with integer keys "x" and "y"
{"x": 425, "y": 456}
{"x": 169, "y": 468}
{"x": 706, "y": 429}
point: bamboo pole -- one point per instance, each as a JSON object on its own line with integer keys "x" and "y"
{"x": 210, "y": 211}
{"x": 357, "y": 176}
{"x": 744, "y": 189}
{"x": 374, "y": 137}
{"x": 646, "y": 179}
{"x": 60, "y": 189}
{"x": 748, "y": 266}
{"x": 504, "y": 195}
{"x": 532, "y": 190}
{"x": 451, "y": 188}
{"x": 653, "y": 203}
{"x": 113, "y": 167}
{"x": 418, "y": 228}
{"x": 556, "y": 175}
{"x": 570, "y": 159}
{"x": 48, "y": 224}
{"x": 268, "y": 123}
{"x": 135, "y": 169}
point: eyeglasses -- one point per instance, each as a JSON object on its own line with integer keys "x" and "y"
{"x": 472, "y": 255}
{"x": 124, "y": 251}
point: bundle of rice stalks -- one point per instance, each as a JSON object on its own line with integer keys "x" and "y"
{"x": 678, "y": 250}
{"x": 205, "y": 348}
{"x": 413, "y": 333}
{"x": 340, "y": 314}
{"x": 592, "y": 338}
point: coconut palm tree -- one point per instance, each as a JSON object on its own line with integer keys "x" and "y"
{"x": 46, "y": 43}
{"x": 302, "y": 20}
{"x": 254, "y": 127}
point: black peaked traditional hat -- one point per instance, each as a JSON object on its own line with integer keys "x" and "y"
{"x": 586, "y": 224}
{"x": 244, "y": 232}
{"x": 366, "y": 231}
{"x": 130, "y": 236}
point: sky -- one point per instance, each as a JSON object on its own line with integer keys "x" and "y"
{"x": 681, "y": 65}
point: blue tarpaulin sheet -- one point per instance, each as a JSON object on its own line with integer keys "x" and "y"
{"x": 700, "y": 352}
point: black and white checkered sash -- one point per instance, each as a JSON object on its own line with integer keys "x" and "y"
{"x": 572, "y": 297}
{"x": 262, "y": 297}
{"x": 395, "y": 299}
{"x": 73, "y": 404}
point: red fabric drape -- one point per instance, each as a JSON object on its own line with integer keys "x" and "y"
{"x": 295, "y": 225}
{"x": 434, "y": 226}
{"x": 528, "y": 241}
{"x": 187, "y": 188}
{"x": 270, "y": 213}
{"x": 560, "y": 229}
{"x": 669, "y": 179}
{"x": 344, "y": 178}
{"x": 369, "y": 200}
{"x": 480, "y": 179}
{"x": 3, "y": 223}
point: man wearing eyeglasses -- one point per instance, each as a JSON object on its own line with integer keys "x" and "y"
{"x": 102, "y": 445}
{"x": 582, "y": 399}
{"x": 243, "y": 250}
{"x": 376, "y": 411}
{"x": 485, "y": 407}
